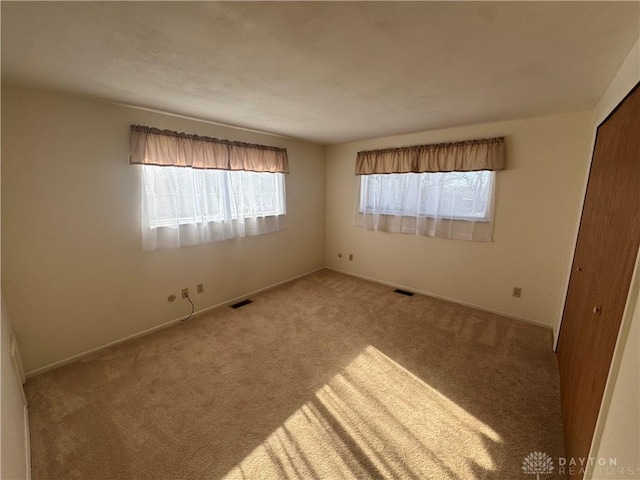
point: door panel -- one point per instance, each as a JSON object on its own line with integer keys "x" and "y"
{"x": 602, "y": 267}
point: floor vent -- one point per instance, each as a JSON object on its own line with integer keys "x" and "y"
{"x": 403, "y": 292}
{"x": 241, "y": 304}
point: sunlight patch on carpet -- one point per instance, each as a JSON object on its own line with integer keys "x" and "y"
{"x": 374, "y": 419}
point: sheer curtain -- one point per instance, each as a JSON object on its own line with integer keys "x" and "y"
{"x": 186, "y": 206}
{"x": 447, "y": 205}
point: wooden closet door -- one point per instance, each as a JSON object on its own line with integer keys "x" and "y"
{"x": 603, "y": 264}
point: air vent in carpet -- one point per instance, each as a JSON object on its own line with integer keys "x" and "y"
{"x": 403, "y": 292}
{"x": 241, "y": 304}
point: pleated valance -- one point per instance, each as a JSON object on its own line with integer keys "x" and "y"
{"x": 152, "y": 146}
{"x": 466, "y": 156}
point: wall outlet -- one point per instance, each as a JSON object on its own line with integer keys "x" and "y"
{"x": 171, "y": 298}
{"x": 351, "y": 257}
{"x": 200, "y": 288}
{"x": 185, "y": 292}
{"x": 517, "y": 292}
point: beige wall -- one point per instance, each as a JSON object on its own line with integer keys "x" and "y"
{"x": 13, "y": 441}
{"x": 74, "y": 275}
{"x": 617, "y": 431}
{"x": 537, "y": 200}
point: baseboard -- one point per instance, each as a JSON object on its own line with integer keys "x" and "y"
{"x": 442, "y": 297}
{"x": 148, "y": 331}
{"x": 27, "y": 443}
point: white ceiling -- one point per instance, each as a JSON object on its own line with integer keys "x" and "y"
{"x": 328, "y": 72}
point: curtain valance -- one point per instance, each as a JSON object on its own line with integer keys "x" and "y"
{"x": 466, "y": 156}
{"x": 152, "y": 146}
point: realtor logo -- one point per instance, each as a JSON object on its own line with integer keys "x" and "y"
{"x": 537, "y": 463}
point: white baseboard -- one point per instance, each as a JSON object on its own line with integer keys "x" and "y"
{"x": 79, "y": 356}
{"x": 27, "y": 443}
{"x": 442, "y": 297}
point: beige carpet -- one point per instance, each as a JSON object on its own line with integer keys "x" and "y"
{"x": 326, "y": 377}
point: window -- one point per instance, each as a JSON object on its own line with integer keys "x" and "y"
{"x": 441, "y": 190}
{"x": 453, "y": 195}
{"x": 201, "y": 189}
{"x": 178, "y": 196}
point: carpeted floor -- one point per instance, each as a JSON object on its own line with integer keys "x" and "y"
{"x": 326, "y": 377}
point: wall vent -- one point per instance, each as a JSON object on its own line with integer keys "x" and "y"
{"x": 241, "y": 304}
{"x": 403, "y": 292}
